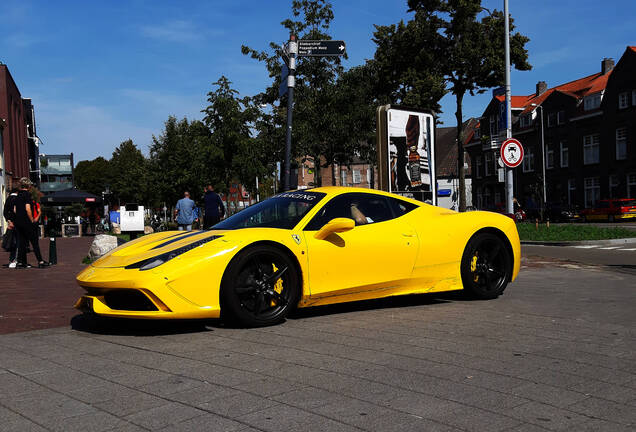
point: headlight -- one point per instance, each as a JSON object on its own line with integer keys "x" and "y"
{"x": 156, "y": 261}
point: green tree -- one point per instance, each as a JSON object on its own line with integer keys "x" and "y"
{"x": 93, "y": 176}
{"x": 129, "y": 174}
{"x": 467, "y": 42}
{"x": 233, "y": 152}
{"x": 180, "y": 161}
{"x": 314, "y": 76}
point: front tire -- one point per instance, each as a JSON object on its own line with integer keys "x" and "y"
{"x": 259, "y": 288}
{"x": 486, "y": 266}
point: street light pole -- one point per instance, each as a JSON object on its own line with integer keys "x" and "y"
{"x": 509, "y": 179}
{"x": 545, "y": 195}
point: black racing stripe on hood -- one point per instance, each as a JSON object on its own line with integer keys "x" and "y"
{"x": 177, "y": 238}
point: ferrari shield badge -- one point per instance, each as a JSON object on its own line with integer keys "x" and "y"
{"x": 296, "y": 238}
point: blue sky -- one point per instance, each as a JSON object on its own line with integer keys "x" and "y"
{"x": 102, "y": 72}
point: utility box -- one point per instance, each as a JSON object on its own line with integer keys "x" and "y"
{"x": 131, "y": 218}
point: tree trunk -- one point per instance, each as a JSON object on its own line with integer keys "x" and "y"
{"x": 317, "y": 177}
{"x": 460, "y": 153}
{"x": 333, "y": 174}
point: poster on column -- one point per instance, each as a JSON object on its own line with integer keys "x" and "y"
{"x": 409, "y": 154}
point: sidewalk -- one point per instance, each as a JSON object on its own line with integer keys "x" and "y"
{"x": 21, "y": 290}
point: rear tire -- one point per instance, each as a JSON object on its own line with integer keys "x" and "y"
{"x": 260, "y": 286}
{"x": 486, "y": 266}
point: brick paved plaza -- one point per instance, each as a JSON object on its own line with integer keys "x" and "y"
{"x": 556, "y": 352}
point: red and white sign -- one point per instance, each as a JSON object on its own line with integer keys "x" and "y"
{"x": 511, "y": 153}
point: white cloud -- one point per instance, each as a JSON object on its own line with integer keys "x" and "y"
{"x": 172, "y": 31}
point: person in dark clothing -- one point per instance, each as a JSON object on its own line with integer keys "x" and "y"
{"x": 26, "y": 223}
{"x": 214, "y": 208}
{"x": 9, "y": 214}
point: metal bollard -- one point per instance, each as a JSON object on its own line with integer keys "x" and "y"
{"x": 52, "y": 251}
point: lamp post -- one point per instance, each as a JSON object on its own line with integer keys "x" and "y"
{"x": 542, "y": 161}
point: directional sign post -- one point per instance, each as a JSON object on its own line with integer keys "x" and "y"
{"x": 321, "y": 48}
{"x": 293, "y": 49}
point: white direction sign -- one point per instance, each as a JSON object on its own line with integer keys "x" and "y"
{"x": 511, "y": 153}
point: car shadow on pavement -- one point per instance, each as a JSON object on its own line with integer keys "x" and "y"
{"x": 137, "y": 327}
{"x": 383, "y": 303}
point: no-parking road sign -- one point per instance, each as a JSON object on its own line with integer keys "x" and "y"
{"x": 511, "y": 153}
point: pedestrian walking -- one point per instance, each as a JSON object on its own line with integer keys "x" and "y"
{"x": 26, "y": 220}
{"x": 185, "y": 213}
{"x": 12, "y": 233}
{"x": 214, "y": 208}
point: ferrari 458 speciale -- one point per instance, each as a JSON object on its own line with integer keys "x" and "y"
{"x": 304, "y": 248}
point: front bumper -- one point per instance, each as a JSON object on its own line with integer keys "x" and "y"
{"x": 118, "y": 292}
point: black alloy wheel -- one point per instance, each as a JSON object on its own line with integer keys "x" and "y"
{"x": 259, "y": 287}
{"x": 486, "y": 266}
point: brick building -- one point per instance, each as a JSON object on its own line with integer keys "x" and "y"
{"x": 588, "y": 127}
{"x": 358, "y": 174}
{"x": 14, "y": 133}
{"x": 14, "y": 146}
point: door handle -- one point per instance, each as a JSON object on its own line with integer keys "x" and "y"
{"x": 408, "y": 234}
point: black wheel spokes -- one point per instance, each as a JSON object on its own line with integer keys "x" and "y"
{"x": 256, "y": 287}
{"x": 490, "y": 267}
{"x": 275, "y": 276}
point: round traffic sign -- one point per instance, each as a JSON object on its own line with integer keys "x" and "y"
{"x": 511, "y": 153}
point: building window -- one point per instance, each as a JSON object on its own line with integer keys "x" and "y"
{"x": 357, "y": 178}
{"x": 623, "y": 100}
{"x": 571, "y": 191}
{"x": 493, "y": 126}
{"x": 528, "y": 161}
{"x": 343, "y": 178}
{"x": 551, "y": 119}
{"x": 565, "y": 154}
{"x": 549, "y": 158}
{"x": 525, "y": 121}
{"x": 478, "y": 166}
{"x": 621, "y": 143}
{"x": 613, "y": 186}
{"x": 488, "y": 164}
{"x": 591, "y": 149}
{"x": 369, "y": 176}
{"x": 592, "y": 102}
{"x": 487, "y": 203}
{"x": 561, "y": 117}
{"x": 592, "y": 191}
{"x": 631, "y": 185}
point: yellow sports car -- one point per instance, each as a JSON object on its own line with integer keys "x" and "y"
{"x": 304, "y": 248}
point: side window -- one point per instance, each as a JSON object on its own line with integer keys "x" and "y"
{"x": 363, "y": 208}
{"x": 400, "y": 207}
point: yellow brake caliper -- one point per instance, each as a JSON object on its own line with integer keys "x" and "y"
{"x": 473, "y": 266}
{"x": 278, "y": 286}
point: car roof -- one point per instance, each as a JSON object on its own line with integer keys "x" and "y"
{"x": 337, "y": 190}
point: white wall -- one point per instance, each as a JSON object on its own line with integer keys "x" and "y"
{"x": 452, "y": 201}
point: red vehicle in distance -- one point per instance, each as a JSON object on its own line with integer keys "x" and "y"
{"x": 611, "y": 210}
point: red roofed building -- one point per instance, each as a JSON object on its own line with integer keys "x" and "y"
{"x": 589, "y": 135}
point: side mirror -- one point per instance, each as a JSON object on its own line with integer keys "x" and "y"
{"x": 335, "y": 226}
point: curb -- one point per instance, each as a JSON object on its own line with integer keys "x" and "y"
{"x": 579, "y": 243}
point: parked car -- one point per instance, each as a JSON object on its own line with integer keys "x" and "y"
{"x": 558, "y": 212}
{"x": 611, "y": 210}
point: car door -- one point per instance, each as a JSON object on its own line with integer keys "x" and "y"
{"x": 378, "y": 253}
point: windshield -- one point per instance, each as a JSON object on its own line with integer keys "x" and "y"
{"x": 281, "y": 211}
